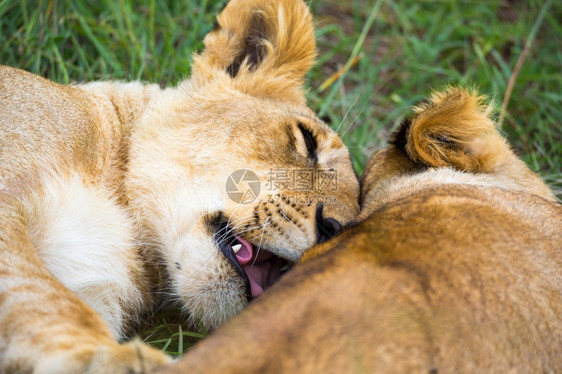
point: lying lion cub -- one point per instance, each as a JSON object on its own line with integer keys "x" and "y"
{"x": 457, "y": 267}
{"x": 111, "y": 193}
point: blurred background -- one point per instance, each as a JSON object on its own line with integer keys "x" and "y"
{"x": 376, "y": 59}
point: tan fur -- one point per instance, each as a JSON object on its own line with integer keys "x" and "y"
{"x": 456, "y": 268}
{"x": 109, "y": 191}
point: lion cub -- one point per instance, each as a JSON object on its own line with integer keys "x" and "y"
{"x": 112, "y": 193}
{"x": 456, "y": 268}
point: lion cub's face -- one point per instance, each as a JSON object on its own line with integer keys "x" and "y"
{"x": 297, "y": 184}
{"x": 232, "y": 175}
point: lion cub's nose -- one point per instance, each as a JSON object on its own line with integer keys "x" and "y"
{"x": 326, "y": 228}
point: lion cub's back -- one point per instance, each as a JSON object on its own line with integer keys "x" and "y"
{"x": 488, "y": 263}
{"x": 45, "y": 125}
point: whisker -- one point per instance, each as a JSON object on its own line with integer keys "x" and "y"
{"x": 291, "y": 222}
{"x": 352, "y": 121}
{"x": 228, "y": 229}
{"x": 345, "y": 117}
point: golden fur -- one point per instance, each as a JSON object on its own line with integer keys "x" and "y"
{"x": 112, "y": 194}
{"x": 456, "y": 268}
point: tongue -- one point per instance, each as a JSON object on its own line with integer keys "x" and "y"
{"x": 262, "y": 269}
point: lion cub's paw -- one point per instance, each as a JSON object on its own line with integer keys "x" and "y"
{"x": 134, "y": 357}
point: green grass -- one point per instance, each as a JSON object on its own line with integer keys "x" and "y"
{"x": 168, "y": 332}
{"x": 415, "y": 46}
{"x": 405, "y": 48}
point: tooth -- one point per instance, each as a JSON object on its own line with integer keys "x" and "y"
{"x": 236, "y": 248}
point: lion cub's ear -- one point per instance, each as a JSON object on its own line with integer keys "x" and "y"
{"x": 265, "y": 47}
{"x": 452, "y": 128}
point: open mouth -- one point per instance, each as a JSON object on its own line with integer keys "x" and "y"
{"x": 257, "y": 267}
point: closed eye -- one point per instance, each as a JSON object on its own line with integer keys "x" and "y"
{"x": 309, "y": 141}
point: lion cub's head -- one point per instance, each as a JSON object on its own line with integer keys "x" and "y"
{"x": 231, "y": 175}
{"x": 450, "y": 139}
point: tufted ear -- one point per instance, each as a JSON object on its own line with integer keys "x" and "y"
{"x": 452, "y": 128}
{"x": 264, "y": 46}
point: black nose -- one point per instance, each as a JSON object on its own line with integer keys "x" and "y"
{"x": 326, "y": 228}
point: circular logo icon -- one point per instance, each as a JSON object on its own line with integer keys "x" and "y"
{"x": 243, "y": 186}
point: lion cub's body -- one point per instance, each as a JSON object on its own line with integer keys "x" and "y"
{"x": 456, "y": 268}
{"x": 113, "y": 194}
{"x": 61, "y": 176}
